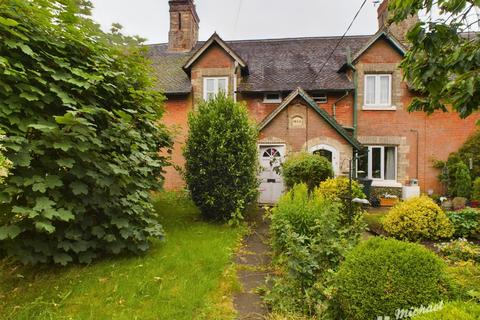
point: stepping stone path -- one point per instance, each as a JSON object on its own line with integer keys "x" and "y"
{"x": 253, "y": 262}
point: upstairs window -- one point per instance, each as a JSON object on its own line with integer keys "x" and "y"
{"x": 378, "y": 91}
{"x": 214, "y": 86}
{"x": 272, "y": 97}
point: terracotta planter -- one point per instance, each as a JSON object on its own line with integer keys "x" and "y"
{"x": 388, "y": 202}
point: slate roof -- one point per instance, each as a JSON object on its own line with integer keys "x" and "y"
{"x": 273, "y": 64}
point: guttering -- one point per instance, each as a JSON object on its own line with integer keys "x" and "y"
{"x": 355, "y": 102}
{"x": 337, "y": 101}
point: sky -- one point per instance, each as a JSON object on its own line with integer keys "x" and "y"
{"x": 242, "y": 19}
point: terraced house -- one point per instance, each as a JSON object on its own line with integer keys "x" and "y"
{"x": 304, "y": 98}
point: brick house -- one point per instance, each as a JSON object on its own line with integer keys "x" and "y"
{"x": 354, "y": 102}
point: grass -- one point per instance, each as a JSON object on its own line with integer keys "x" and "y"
{"x": 188, "y": 276}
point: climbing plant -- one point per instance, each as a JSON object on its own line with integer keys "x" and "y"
{"x": 83, "y": 134}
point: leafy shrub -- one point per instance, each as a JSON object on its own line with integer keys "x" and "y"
{"x": 221, "y": 159}
{"x": 418, "y": 218}
{"x": 463, "y": 181}
{"x": 460, "y": 250}
{"x": 382, "y": 275}
{"x": 471, "y": 150}
{"x": 303, "y": 167}
{"x": 453, "y": 311}
{"x": 338, "y": 189}
{"x": 476, "y": 190}
{"x": 5, "y": 164}
{"x": 466, "y": 222}
{"x": 309, "y": 241}
{"x": 81, "y": 121}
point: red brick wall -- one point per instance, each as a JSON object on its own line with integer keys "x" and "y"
{"x": 175, "y": 118}
{"x": 438, "y": 134}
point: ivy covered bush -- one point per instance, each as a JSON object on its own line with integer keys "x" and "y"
{"x": 418, "y": 218}
{"x": 309, "y": 241}
{"x": 382, "y": 275}
{"x": 83, "y": 134}
{"x": 338, "y": 189}
{"x": 221, "y": 159}
{"x": 307, "y": 168}
{"x": 476, "y": 189}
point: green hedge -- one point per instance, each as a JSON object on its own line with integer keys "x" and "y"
{"x": 83, "y": 133}
{"x": 307, "y": 168}
{"x": 453, "y": 311}
{"x": 221, "y": 159}
{"x": 382, "y": 275}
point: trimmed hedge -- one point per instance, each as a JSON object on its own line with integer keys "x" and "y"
{"x": 307, "y": 168}
{"x": 418, "y": 218}
{"x": 382, "y": 275}
{"x": 221, "y": 159}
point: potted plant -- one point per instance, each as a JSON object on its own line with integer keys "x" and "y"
{"x": 475, "y": 202}
{"x": 388, "y": 200}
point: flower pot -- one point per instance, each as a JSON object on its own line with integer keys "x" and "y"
{"x": 388, "y": 202}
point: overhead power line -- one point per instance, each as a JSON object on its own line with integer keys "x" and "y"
{"x": 340, "y": 40}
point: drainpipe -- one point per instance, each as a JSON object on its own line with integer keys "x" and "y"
{"x": 235, "y": 82}
{"x": 337, "y": 101}
{"x": 355, "y": 102}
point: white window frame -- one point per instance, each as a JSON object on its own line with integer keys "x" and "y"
{"x": 215, "y": 86}
{"x": 376, "y": 105}
{"x": 382, "y": 165}
{"x": 266, "y": 100}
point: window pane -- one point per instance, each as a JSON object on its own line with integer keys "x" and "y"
{"x": 325, "y": 153}
{"x": 222, "y": 85}
{"x": 210, "y": 95}
{"x": 210, "y": 85}
{"x": 376, "y": 163}
{"x": 370, "y": 92}
{"x": 384, "y": 89}
{"x": 390, "y": 164}
{"x": 362, "y": 170}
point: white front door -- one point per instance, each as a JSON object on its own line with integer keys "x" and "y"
{"x": 271, "y": 182}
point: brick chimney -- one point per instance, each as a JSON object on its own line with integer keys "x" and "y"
{"x": 398, "y": 30}
{"x": 184, "y": 21}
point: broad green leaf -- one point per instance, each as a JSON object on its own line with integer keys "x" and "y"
{"x": 8, "y": 22}
{"x": 53, "y": 181}
{"x": 9, "y": 232}
{"x": 44, "y": 226}
{"x": 65, "y": 145}
{"x": 62, "y": 258}
{"x": 65, "y": 162}
{"x": 79, "y": 188}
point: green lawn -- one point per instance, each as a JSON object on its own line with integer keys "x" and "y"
{"x": 181, "y": 278}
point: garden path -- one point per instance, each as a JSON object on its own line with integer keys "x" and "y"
{"x": 253, "y": 262}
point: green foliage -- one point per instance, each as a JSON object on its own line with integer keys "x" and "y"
{"x": 338, "y": 189}
{"x": 476, "y": 190}
{"x": 82, "y": 132}
{"x": 463, "y": 182}
{"x": 418, "y": 218}
{"x": 460, "y": 250}
{"x": 5, "y": 164}
{"x": 307, "y": 168}
{"x": 178, "y": 279}
{"x": 309, "y": 242}
{"x": 221, "y": 159}
{"x": 453, "y": 311}
{"x": 466, "y": 222}
{"x": 442, "y": 63}
{"x": 382, "y": 275}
